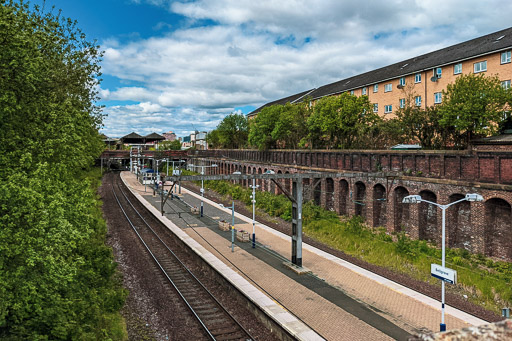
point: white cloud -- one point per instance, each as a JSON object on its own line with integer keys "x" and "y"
{"x": 259, "y": 51}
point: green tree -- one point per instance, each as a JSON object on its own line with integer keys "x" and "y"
{"x": 56, "y": 275}
{"x": 262, "y": 126}
{"x": 233, "y": 131}
{"x": 423, "y": 126}
{"x": 170, "y": 145}
{"x": 213, "y": 139}
{"x": 291, "y": 129}
{"x": 340, "y": 121}
{"x": 473, "y": 106}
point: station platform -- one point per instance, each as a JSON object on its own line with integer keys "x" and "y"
{"x": 336, "y": 300}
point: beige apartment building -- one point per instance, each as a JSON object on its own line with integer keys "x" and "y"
{"x": 420, "y": 80}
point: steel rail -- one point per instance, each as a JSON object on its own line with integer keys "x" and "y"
{"x": 196, "y": 280}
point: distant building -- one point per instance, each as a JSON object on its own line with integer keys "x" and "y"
{"x": 186, "y": 142}
{"x": 145, "y": 142}
{"x": 169, "y": 136}
{"x": 422, "y": 79}
{"x": 200, "y": 140}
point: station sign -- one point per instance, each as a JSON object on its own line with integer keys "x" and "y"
{"x": 444, "y": 274}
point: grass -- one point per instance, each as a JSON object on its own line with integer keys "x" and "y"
{"x": 484, "y": 281}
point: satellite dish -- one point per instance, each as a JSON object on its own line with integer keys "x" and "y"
{"x": 400, "y": 86}
{"x": 434, "y": 79}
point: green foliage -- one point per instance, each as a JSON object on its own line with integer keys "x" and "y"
{"x": 261, "y": 127}
{"x": 232, "y": 131}
{"x": 169, "y": 145}
{"x": 57, "y": 277}
{"x": 423, "y": 126}
{"x": 473, "y": 106}
{"x": 213, "y": 139}
{"x": 341, "y": 121}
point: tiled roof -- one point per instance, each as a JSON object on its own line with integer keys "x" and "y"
{"x": 493, "y": 42}
{"x": 132, "y": 135}
{"x": 282, "y": 101}
{"x": 154, "y": 136}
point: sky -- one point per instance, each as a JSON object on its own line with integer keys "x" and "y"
{"x": 185, "y": 65}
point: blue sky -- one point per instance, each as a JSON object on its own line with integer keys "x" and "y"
{"x": 185, "y": 65}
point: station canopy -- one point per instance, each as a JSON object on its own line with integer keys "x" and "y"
{"x": 134, "y": 138}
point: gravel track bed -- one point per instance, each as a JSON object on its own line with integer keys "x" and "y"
{"x": 153, "y": 311}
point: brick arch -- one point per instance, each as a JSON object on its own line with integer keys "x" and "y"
{"x": 264, "y": 182}
{"x": 343, "y": 195}
{"x": 317, "y": 192}
{"x": 271, "y": 186}
{"x": 260, "y": 181}
{"x": 498, "y": 228}
{"x": 401, "y": 214}
{"x": 458, "y": 223}
{"x": 329, "y": 194}
{"x": 379, "y": 205}
{"x": 244, "y": 182}
{"x": 280, "y": 182}
{"x": 427, "y": 217}
{"x": 288, "y": 183}
{"x": 360, "y": 199}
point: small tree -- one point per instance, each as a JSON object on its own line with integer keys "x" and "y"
{"x": 262, "y": 126}
{"x": 233, "y": 131}
{"x": 339, "y": 121}
{"x": 473, "y": 106}
{"x": 170, "y": 145}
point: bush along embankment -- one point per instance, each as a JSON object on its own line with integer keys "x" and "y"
{"x": 57, "y": 277}
{"x": 481, "y": 280}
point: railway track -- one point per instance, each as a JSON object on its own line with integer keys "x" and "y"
{"x": 216, "y": 321}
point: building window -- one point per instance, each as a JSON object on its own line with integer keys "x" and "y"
{"x": 457, "y": 68}
{"x": 438, "y": 97}
{"x": 375, "y": 107}
{"x": 401, "y": 81}
{"x": 505, "y": 57}
{"x": 506, "y": 84}
{"x": 364, "y": 90}
{"x": 417, "y": 101}
{"x": 352, "y": 92}
{"x": 376, "y": 88}
{"x": 402, "y": 102}
{"x": 388, "y": 87}
{"x": 480, "y": 66}
{"x": 439, "y": 72}
{"x": 388, "y": 109}
{"x": 417, "y": 78}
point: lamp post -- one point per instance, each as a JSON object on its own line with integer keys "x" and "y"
{"x": 253, "y": 200}
{"x": 202, "y": 183}
{"x": 416, "y": 199}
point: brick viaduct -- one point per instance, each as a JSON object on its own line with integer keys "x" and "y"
{"x": 438, "y": 176}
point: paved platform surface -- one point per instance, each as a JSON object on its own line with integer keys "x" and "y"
{"x": 338, "y": 300}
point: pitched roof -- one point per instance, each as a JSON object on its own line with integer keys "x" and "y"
{"x": 154, "y": 136}
{"x": 290, "y": 99}
{"x": 132, "y": 135}
{"x": 493, "y": 42}
{"x": 498, "y": 139}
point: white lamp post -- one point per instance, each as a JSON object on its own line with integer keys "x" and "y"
{"x": 253, "y": 200}
{"x": 416, "y": 199}
{"x": 202, "y": 183}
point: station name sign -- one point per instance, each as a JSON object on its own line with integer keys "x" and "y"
{"x": 444, "y": 274}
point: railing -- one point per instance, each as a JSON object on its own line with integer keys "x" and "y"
{"x": 476, "y": 166}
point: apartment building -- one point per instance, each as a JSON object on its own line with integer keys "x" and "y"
{"x": 420, "y": 80}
